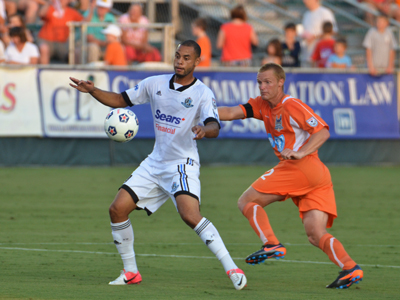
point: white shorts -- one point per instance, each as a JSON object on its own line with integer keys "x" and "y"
{"x": 150, "y": 186}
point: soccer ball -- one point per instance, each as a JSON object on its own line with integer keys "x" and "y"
{"x": 121, "y": 125}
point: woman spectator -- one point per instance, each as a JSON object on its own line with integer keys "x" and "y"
{"x": 235, "y": 38}
{"x": 20, "y": 51}
{"x": 274, "y": 52}
{"x": 16, "y": 20}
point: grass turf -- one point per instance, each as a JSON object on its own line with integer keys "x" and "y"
{"x": 55, "y": 238}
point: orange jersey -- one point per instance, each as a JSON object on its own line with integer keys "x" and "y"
{"x": 115, "y": 55}
{"x": 288, "y": 125}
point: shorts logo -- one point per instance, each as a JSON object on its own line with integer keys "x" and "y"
{"x": 278, "y": 123}
{"x": 312, "y": 122}
{"x": 158, "y": 93}
{"x": 187, "y": 103}
{"x": 174, "y": 187}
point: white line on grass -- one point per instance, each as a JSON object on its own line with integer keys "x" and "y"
{"x": 191, "y": 244}
{"x": 185, "y": 256}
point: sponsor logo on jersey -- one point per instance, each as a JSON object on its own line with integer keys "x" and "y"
{"x": 278, "y": 123}
{"x": 158, "y": 93}
{"x": 187, "y": 103}
{"x": 168, "y": 118}
{"x": 165, "y": 129}
{"x": 174, "y": 187}
{"x": 136, "y": 87}
{"x": 312, "y": 122}
{"x": 278, "y": 141}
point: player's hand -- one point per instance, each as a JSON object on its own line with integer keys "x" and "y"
{"x": 199, "y": 132}
{"x": 84, "y": 86}
{"x": 290, "y": 154}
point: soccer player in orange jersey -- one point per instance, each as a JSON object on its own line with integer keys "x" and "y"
{"x": 295, "y": 133}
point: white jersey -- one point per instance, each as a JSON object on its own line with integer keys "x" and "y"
{"x": 175, "y": 112}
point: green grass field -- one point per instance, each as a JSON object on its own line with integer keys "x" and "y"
{"x": 55, "y": 238}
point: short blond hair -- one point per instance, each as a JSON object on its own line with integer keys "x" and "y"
{"x": 278, "y": 70}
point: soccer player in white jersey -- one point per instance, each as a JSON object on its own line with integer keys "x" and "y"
{"x": 179, "y": 102}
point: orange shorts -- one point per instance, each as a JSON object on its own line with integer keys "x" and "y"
{"x": 307, "y": 181}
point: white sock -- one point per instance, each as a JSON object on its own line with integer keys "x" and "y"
{"x": 123, "y": 238}
{"x": 210, "y": 236}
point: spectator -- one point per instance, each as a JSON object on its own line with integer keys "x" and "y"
{"x": 16, "y": 21}
{"x": 274, "y": 52}
{"x": 3, "y": 15}
{"x": 20, "y": 51}
{"x": 2, "y": 52}
{"x": 199, "y": 27}
{"x": 313, "y": 19}
{"x": 325, "y": 46}
{"x": 235, "y": 38}
{"x": 30, "y": 9}
{"x": 339, "y": 59}
{"x": 99, "y": 11}
{"x": 389, "y": 8}
{"x": 53, "y": 37}
{"x": 135, "y": 39}
{"x": 291, "y": 48}
{"x": 115, "y": 54}
{"x": 380, "y": 44}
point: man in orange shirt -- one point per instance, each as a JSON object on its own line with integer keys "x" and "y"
{"x": 295, "y": 133}
{"x": 115, "y": 54}
{"x": 53, "y": 37}
{"x": 199, "y": 27}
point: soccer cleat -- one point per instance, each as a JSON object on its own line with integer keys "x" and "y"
{"x": 127, "y": 278}
{"x": 347, "y": 277}
{"x": 267, "y": 251}
{"x": 238, "y": 278}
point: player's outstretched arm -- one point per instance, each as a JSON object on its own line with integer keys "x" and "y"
{"x": 210, "y": 130}
{"x": 107, "y": 98}
{"x": 227, "y": 113}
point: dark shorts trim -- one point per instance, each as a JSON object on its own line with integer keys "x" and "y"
{"x": 135, "y": 198}
{"x": 186, "y": 193}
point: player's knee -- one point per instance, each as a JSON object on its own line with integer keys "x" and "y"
{"x": 190, "y": 219}
{"x": 313, "y": 239}
{"x": 116, "y": 212}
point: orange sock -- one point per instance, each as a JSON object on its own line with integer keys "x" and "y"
{"x": 259, "y": 222}
{"x": 335, "y": 250}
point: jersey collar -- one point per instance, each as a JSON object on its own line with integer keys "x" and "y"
{"x": 183, "y": 87}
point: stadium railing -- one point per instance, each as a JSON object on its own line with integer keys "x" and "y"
{"x": 160, "y": 33}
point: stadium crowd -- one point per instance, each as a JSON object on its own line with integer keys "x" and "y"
{"x": 316, "y": 42}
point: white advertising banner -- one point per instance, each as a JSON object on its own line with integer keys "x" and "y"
{"x": 19, "y": 103}
{"x": 68, "y": 112}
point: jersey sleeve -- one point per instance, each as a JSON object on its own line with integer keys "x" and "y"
{"x": 252, "y": 109}
{"x": 303, "y": 117}
{"x": 138, "y": 94}
{"x": 209, "y": 110}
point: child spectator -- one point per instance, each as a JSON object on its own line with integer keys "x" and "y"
{"x": 20, "y": 51}
{"x": 53, "y": 37}
{"x": 291, "y": 47}
{"x": 339, "y": 59}
{"x": 380, "y": 44}
{"x": 274, "y": 52}
{"x": 115, "y": 54}
{"x": 324, "y": 47}
{"x": 199, "y": 27}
